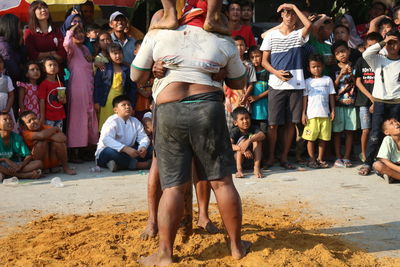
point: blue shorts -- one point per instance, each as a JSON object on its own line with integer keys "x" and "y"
{"x": 365, "y": 117}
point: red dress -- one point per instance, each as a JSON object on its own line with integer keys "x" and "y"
{"x": 31, "y": 100}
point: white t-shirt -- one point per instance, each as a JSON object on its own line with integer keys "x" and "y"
{"x": 388, "y": 87}
{"x": 117, "y": 133}
{"x": 318, "y": 91}
{"x": 389, "y": 150}
{"x": 287, "y": 55}
{"x": 191, "y": 55}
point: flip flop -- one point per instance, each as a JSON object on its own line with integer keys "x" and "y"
{"x": 364, "y": 170}
{"x": 287, "y": 166}
{"x": 347, "y": 163}
{"x": 339, "y": 163}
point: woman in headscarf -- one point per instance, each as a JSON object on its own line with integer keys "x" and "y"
{"x": 348, "y": 21}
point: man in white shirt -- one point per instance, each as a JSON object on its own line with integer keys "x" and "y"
{"x": 118, "y": 137}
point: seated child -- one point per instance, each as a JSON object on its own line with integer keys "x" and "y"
{"x": 319, "y": 95}
{"x": 246, "y": 141}
{"x": 388, "y": 163}
{"x": 12, "y": 150}
{"x": 119, "y": 134}
{"x": 210, "y": 8}
{"x": 46, "y": 143}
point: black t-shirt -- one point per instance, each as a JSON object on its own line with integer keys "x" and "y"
{"x": 354, "y": 55}
{"x": 237, "y": 136}
{"x": 367, "y": 75}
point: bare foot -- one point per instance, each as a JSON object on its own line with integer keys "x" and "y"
{"x": 149, "y": 232}
{"x": 31, "y": 175}
{"x": 157, "y": 259}
{"x": 55, "y": 170}
{"x": 208, "y": 226}
{"x": 258, "y": 173}
{"x": 69, "y": 171}
{"x": 239, "y": 253}
{"x": 239, "y": 174}
{"x": 218, "y": 24}
{"x": 169, "y": 22}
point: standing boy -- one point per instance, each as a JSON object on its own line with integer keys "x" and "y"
{"x": 386, "y": 92}
{"x": 318, "y": 97}
{"x": 345, "y": 112}
{"x": 365, "y": 78}
{"x": 258, "y": 98}
{"x": 282, "y": 57}
{"x": 237, "y": 98}
{"x": 246, "y": 141}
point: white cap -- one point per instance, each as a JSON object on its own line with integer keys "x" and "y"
{"x": 115, "y": 15}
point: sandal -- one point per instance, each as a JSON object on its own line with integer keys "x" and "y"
{"x": 322, "y": 164}
{"x": 313, "y": 165}
{"x": 287, "y": 166}
{"x": 364, "y": 170}
{"x": 347, "y": 163}
{"x": 339, "y": 163}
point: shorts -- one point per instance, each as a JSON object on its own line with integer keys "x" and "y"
{"x": 57, "y": 123}
{"x": 345, "y": 119}
{"x": 198, "y": 131}
{"x": 318, "y": 128}
{"x": 284, "y": 106}
{"x": 365, "y": 118}
{"x": 263, "y": 124}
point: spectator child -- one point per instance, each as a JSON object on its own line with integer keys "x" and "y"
{"x": 388, "y": 163}
{"x": 365, "y": 77}
{"x": 13, "y": 150}
{"x": 52, "y": 110}
{"x": 46, "y": 143}
{"x": 123, "y": 142}
{"x": 342, "y": 32}
{"x": 318, "y": 97}
{"x": 258, "y": 98}
{"x": 236, "y": 98}
{"x": 103, "y": 42}
{"x": 345, "y": 113}
{"x": 112, "y": 82}
{"x": 211, "y": 9}
{"x": 246, "y": 141}
{"x": 386, "y": 92}
{"x": 92, "y": 32}
{"x": 6, "y": 92}
{"x": 28, "y": 91}
{"x": 82, "y": 130}
{"x": 143, "y": 94}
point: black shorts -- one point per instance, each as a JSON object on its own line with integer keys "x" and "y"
{"x": 284, "y": 106}
{"x": 192, "y": 130}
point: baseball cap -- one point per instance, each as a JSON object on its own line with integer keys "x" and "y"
{"x": 115, "y": 15}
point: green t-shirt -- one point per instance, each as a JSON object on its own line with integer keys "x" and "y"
{"x": 389, "y": 150}
{"x": 15, "y": 150}
{"x": 323, "y": 49}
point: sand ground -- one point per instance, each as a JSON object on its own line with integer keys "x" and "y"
{"x": 362, "y": 211}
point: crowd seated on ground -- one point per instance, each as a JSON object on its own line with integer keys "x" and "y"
{"x": 311, "y": 77}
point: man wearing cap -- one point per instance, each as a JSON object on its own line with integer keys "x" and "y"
{"x": 118, "y": 24}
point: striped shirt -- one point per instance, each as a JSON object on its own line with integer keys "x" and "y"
{"x": 286, "y": 54}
